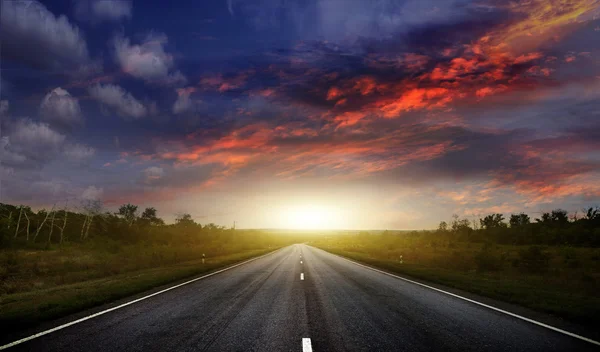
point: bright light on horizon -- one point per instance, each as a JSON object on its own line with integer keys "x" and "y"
{"x": 310, "y": 217}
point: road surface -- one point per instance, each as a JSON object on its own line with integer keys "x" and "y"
{"x": 299, "y": 292}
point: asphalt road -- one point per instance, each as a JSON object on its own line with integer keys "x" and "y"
{"x": 265, "y": 306}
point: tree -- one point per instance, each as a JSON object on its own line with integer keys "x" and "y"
{"x": 64, "y": 224}
{"x": 149, "y": 217}
{"x": 129, "y": 213}
{"x": 592, "y": 214}
{"x": 213, "y": 227}
{"x": 9, "y": 217}
{"x": 560, "y": 216}
{"x": 519, "y": 220}
{"x": 28, "y": 222}
{"x": 545, "y": 219}
{"x": 556, "y": 217}
{"x": 492, "y": 221}
{"x": 19, "y": 221}
{"x": 443, "y": 226}
{"x": 37, "y": 232}
{"x": 184, "y": 220}
{"x": 51, "y": 227}
{"x": 91, "y": 209}
{"x": 460, "y": 225}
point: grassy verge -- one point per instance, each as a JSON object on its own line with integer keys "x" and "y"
{"x": 532, "y": 291}
{"x": 25, "y": 309}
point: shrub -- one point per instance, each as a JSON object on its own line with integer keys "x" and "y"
{"x": 533, "y": 259}
{"x": 488, "y": 260}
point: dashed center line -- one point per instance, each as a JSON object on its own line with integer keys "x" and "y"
{"x": 306, "y": 345}
{"x": 300, "y": 262}
{"x": 302, "y": 276}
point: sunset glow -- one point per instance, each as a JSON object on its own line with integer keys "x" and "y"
{"x": 310, "y": 217}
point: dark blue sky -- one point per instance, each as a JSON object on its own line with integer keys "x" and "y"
{"x": 381, "y": 114}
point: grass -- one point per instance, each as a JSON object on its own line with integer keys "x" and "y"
{"x": 27, "y": 308}
{"x": 559, "y": 288}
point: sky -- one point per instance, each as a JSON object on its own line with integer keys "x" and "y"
{"x": 354, "y": 114}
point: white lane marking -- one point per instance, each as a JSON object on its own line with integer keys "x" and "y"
{"x": 300, "y": 262}
{"x": 306, "y": 345}
{"x": 39, "y": 334}
{"x": 475, "y": 302}
{"x": 302, "y": 276}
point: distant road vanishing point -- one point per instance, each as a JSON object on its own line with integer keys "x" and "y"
{"x": 301, "y": 298}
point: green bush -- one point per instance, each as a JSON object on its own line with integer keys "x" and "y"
{"x": 488, "y": 260}
{"x": 533, "y": 259}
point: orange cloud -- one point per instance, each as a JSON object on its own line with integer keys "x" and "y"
{"x": 334, "y": 93}
{"x": 222, "y": 84}
{"x": 528, "y": 57}
{"x": 543, "y": 20}
{"x": 350, "y": 118}
{"x": 417, "y": 98}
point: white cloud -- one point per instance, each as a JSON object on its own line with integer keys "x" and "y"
{"x": 48, "y": 189}
{"x": 184, "y": 102}
{"x": 154, "y": 172}
{"x": 152, "y": 175}
{"x": 78, "y": 152}
{"x": 148, "y": 61}
{"x": 33, "y": 35}
{"x": 36, "y": 137}
{"x": 103, "y": 10}
{"x": 92, "y": 193}
{"x": 31, "y": 144}
{"x": 60, "y": 108}
{"x": 117, "y": 98}
{"x": 9, "y": 157}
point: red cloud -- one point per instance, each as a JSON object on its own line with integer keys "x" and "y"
{"x": 222, "y": 84}
{"x": 346, "y": 144}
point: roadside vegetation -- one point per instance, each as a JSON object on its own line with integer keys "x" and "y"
{"x": 60, "y": 261}
{"x": 551, "y": 264}
{"x": 56, "y": 262}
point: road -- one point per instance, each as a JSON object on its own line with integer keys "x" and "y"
{"x": 264, "y": 305}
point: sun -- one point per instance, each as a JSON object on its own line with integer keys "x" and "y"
{"x": 308, "y": 217}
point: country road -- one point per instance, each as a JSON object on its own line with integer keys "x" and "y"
{"x": 299, "y": 292}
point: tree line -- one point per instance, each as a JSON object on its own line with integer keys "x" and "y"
{"x": 21, "y": 224}
{"x": 556, "y": 227}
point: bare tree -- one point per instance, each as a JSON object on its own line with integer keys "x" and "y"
{"x": 28, "y": 223}
{"x": 51, "y": 227}
{"x": 19, "y": 221}
{"x": 91, "y": 208}
{"x": 37, "y": 232}
{"x": 62, "y": 228}
{"x": 83, "y": 226}
{"x": 87, "y": 229}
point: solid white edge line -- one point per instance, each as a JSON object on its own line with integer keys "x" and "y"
{"x": 60, "y": 327}
{"x": 306, "y": 345}
{"x": 472, "y": 301}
